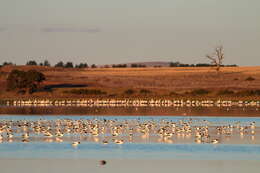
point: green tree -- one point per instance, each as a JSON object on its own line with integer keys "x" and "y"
{"x": 82, "y": 65}
{"x": 59, "y": 64}
{"x": 16, "y": 79}
{"x": 7, "y": 63}
{"x": 31, "y": 62}
{"x": 46, "y": 63}
{"x": 35, "y": 76}
{"x": 93, "y": 66}
{"x": 69, "y": 65}
{"x": 22, "y": 80}
{"x": 174, "y": 64}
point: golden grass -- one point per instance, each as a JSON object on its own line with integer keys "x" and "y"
{"x": 161, "y": 81}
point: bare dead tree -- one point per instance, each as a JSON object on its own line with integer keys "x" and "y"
{"x": 217, "y": 57}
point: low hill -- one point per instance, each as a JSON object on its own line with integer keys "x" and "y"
{"x": 151, "y": 64}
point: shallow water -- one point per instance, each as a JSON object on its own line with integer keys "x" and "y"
{"x": 131, "y": 151}
{"x": 212, "y": 119}
{"x": 143, "y": 111}
{"x": 235, "y": 148}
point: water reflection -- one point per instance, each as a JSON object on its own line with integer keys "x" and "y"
{"x": 184, "y": 111}
{"x": 147, "y": 137}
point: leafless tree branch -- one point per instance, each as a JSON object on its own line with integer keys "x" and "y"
{"x": 217, "y": 58}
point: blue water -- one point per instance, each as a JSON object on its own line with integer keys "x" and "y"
{"x": 146, "y": 151}
{"x": 132, "y": 150}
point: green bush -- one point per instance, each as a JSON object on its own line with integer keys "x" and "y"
{"x": 29, "y": 80}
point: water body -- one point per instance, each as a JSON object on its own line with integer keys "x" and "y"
{"x": 148, "y": 150}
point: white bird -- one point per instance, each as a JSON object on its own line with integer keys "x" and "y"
{"x": 215, "y": 141}
{"x": 74, "y": 144}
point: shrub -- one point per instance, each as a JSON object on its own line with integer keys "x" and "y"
{"x": 250, "y": 78}
{"x": 112, "y": 95}
{"x": 129, "y": 92}
{"x": 172, "y": 93}
{"x": 199, "y": 92}
{"x": 226, "y": 92}
{"x": 86, "y": 92}
{"x": 22, "y": 92}
{"x": 145, "y": 91}
{"x": 249, "y": 93}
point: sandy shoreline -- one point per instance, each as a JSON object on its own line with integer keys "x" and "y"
{"x": 130, "y": 165}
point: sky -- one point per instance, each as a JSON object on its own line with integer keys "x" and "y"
{"x": 121, "y": 31}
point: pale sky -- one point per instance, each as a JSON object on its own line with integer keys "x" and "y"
{"x": 120, "y": 31}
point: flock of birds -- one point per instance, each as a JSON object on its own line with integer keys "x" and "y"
{"x": 130, "y": 102}
{"x": 119, "y": 131}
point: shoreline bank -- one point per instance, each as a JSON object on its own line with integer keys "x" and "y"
{"x": 130, "y": 102}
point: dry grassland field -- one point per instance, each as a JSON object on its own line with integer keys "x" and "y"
{"x": 155, "y": 82}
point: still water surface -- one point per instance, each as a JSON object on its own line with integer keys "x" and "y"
{"x": 146, "y": 150}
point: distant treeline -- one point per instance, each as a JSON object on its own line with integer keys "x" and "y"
{"x": 134, "y": 65}
{"x": 58, "y": 64}
{"x": 178, "y": 64}
{"x": 125, "y": 65}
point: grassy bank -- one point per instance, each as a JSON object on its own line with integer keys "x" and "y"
{"x": 200, "y": 83}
